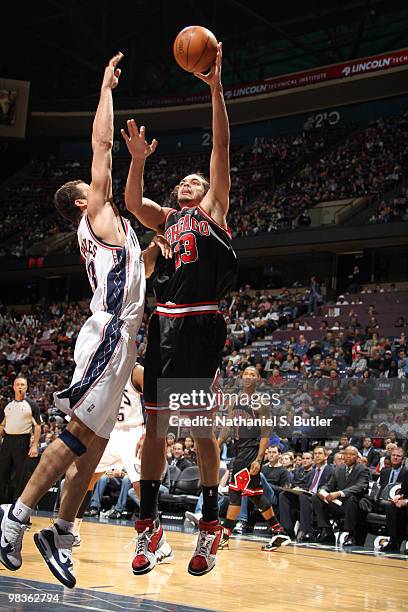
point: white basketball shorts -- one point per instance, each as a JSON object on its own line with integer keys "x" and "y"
{"x": 105, "y": 353}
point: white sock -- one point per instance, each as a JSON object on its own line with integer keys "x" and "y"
{"x": 77, "y": 525}
{"x": 66, "y": 526}
{"x": 21, "y": 512}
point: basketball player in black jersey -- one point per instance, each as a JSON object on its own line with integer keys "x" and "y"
{"x": 186, "y": 333}
{"x": 250, "y": 443}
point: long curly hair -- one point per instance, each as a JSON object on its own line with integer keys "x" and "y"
{"x": 173, "y": 195}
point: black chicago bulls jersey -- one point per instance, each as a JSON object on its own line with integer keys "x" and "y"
{"x": 204, "y": 264}
{"x": 246, "y": 435}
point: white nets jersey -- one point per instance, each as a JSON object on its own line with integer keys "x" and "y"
{"x": 116, "y": 274}
{"x": 105, "y": 350}
{"x": 131, "y": 411}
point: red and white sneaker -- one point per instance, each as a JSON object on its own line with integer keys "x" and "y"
{"x": 279, "y": 538}
{"x": 209, "y": 538}
{"x": 150, "y": 539}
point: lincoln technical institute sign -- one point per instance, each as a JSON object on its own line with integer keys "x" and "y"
{"x": 294, "y": 80}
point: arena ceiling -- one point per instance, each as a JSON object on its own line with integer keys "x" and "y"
{"x": 61, "y": 46}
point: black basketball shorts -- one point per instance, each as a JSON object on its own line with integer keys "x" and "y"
{"x": 185, "y": 349}
{"x": 242, "y": 483}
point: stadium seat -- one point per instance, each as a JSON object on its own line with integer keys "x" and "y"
{"x": 185, "y": 489}
{"x": 377, "y": 517}
{"x": 173, "y": 474}
{"x": 188, "y": 482}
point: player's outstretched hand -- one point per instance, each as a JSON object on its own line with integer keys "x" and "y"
{"x": 213, "y": 78}
{"x": 112, "y": 72}
{"x": 164, "y": 246}
{"x": 136, "y": 142}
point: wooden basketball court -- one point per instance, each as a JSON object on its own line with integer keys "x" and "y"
{"x": 245, "y": 577}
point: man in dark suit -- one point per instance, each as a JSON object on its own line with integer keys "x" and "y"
{"x": 347, "y": 484}
{"x": 388, "y": 475}
{"x": 397, "y": 517}
{"x": 370, "y": 452}
{"x": 177, "y": 457}
{"x": 302, "y": 476}
{"x": 392, "y": 474}
{"x": 292, "y": 506}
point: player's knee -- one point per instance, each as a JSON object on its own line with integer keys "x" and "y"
{"x": 82, "y": 431}
{"x": 261, "y": 502}
{"x": 74, "y": 444}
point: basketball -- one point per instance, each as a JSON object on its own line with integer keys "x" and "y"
{"x": 195, "y": 49}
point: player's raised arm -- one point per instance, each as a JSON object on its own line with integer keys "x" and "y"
{"x": 146, "y": 211}
{"x": 216, "y": 203}
{"x": 102, "y": 141}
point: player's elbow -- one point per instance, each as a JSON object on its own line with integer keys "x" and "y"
{"x": 102, "y": 144}
{"x": 131, "y": 203}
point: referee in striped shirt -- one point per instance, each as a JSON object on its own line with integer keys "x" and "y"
{"x": 20, "y": 416}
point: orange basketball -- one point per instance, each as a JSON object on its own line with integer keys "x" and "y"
{"x": 195, "y": 49}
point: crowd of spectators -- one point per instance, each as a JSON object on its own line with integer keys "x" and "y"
{"x": 395, "y": 209}
{"x": 352, "y": 374}
{"x": 274, "y": 182}
{"x": 28, "y": 212}
{"x": 367, "y": 164}
{"x": 346, "y": 365}
{"x": 39, "y": 345}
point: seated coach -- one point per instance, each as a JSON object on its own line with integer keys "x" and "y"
{"x": 347, "y": 484}
{"x": 293, "y": 507}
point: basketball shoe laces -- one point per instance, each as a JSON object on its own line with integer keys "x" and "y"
{"x": 204, "y": 544}
{"x": 143, "y": 542}
{"x": 14, "y": 531}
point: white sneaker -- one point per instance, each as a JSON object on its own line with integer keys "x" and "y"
{"x": 203, "y": 559}
{"x": 276, "y": 542}
{"x": 193, "y": 517}
{"x": 150, "y": 539}
{"x": 11, "y": 538}
{"x": 55, "y": 546}
{"x": 77, "y": 540}
{"x": 165, "y": 553}
{"x": 239, "y": 527}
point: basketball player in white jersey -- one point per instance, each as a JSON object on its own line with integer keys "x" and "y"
{"x": 105, "y": 351}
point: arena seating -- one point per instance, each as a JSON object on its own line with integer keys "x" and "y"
{"x": 38, "y": 342}
{"x": 394, "y": 209}
{"x": 274, "y": 183}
